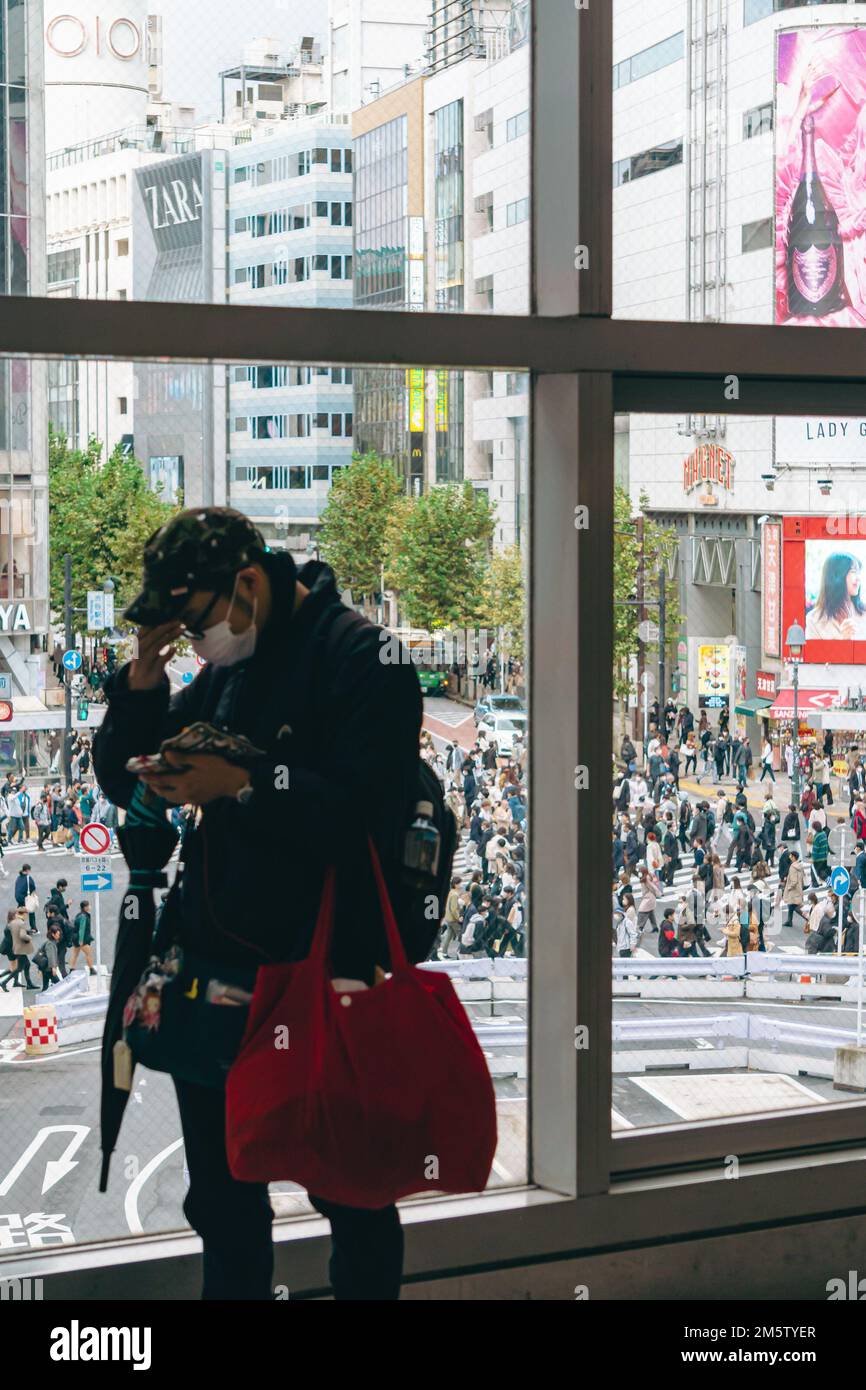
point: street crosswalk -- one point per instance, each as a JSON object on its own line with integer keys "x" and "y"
{"x": 682, "y": 883}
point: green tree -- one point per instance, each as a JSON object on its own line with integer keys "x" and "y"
{"x": 659, "y": 545}
{"x": 356, "y": 520}
{"x": 100, "y": 513}
{"x": 438, "y": 560}
{"x": 505, "y": 598}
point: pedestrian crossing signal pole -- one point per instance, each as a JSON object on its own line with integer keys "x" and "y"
{"x": 860, "y": 968}
{"x": 663, "y": 613}
{"x": 641, "y": 647}
{"x": 796, "y": 640}
{"x": 98, "y": 925}
{"x": 69, "y": 640}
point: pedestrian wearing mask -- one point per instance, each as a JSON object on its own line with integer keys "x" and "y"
{"x": 290, "y": 668}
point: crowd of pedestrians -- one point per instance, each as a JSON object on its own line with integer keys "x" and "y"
{"x": 726, "y": 905}
{"x": 48, "y": 941}
{"x": 485, "y": 913}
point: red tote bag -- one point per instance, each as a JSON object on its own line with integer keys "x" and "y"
{"x": 361, "y": 1098}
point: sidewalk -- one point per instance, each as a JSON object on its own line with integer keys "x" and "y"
{"x": 755, "y": 792}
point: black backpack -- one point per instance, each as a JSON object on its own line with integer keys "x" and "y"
{"x": 430, "y": 789}
{"x": 6, "y": 945}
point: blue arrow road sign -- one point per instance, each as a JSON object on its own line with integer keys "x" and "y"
{"x": 72, "y": 660}
{"x": 96, "y": 883}
{"x": 840, "y": 881}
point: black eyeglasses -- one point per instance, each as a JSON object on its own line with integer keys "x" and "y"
{"x": 195, "y": 629}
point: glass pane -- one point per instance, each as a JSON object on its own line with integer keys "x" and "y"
{"x": 738, "y": 186}
{"x": 187, "y": 135}
{"x": 129, "y": 444}
{"x": 740, "y": 741}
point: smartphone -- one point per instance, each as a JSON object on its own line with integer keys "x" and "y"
{"x": 152, "y": 762}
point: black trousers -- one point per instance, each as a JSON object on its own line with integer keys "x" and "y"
{"x": 234, "y": 1220}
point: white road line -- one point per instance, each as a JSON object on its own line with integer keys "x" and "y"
{"x": 52, "y": 1057}
{"x": 130, "y": 1201}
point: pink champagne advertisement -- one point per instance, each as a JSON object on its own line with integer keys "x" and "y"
{"x": 821, "y": 177}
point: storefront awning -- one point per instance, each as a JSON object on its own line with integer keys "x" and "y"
{"x": 754, "y": 707}
{"x": 808, "y": 702}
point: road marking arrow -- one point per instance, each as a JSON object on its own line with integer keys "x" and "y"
{"x": 55, "y": 1168}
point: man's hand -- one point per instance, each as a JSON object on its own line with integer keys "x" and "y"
{"x": 154, "y": 651}
{"x": 207, "y": 778}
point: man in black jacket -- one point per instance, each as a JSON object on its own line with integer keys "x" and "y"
{"x": 338, "y": 715}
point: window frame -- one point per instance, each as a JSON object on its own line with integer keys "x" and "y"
{"x": 590, "y": 1191}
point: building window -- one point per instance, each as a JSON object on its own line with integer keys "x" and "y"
{"x": 758, "y": 121}
{"x": 649, "y": 60}
{"x": 758, "y": 236}
{"x": 484, "y": 122}
{"x": 242, "y": 224}
{"x": 122, "y": 404}
{"x": 753, "y": 10}
{"x": 517, "y": 126}
{"x": 379, "y": 215}
{"x": 449, "y": 211}
{"x": 518, "y": 212}
{"x": 651, "y": 161}
{"x": 123, "y": 247}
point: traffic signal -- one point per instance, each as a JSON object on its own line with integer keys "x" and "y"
{"x": 83, "y": 707}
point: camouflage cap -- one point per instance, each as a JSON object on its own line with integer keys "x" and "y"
{"x": 198, "y": 549}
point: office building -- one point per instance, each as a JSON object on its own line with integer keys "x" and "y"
{"x": 442, "y": 222}
{"x": 24, "y": 538}
{"x": 373, "y": 46}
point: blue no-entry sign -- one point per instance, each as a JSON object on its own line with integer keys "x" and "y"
{"x": 72, "y": 660}
{"x": 840, "y": 881}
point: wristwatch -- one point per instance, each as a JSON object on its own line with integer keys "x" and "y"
{"x": 244, "y": 793}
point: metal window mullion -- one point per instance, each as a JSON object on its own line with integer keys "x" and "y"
{"x": 572, "y": 157}
{"x": 726, "y": 357}
{"x": 570, "y": 595}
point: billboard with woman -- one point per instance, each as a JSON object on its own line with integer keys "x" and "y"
{"x": 835, "y": 590}
{"x": 824, "y": 587}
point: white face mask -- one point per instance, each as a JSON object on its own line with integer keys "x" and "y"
{"x": 220, "y": 646}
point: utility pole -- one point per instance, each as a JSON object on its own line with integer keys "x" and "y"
{"x": 663, "y": 613}
{"x": 69, "y": 641}
{"x": 641, "y": 647}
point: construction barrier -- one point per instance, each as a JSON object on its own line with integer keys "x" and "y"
{"x": 40, "y": 1030}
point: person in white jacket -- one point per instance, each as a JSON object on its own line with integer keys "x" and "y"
{"x": 627, "y": 929}
{"x": 737, "y": 899}
{"x": 653, "y": 853}
{"x": 648, "y": 895}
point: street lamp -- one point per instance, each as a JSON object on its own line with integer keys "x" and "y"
{"x": 795, "y": 641}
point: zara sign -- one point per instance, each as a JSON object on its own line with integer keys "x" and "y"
{"x": 68, "y": 36}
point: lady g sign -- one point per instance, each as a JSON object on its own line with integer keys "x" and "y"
{"x": 68, "y": 36}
